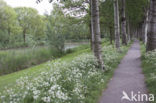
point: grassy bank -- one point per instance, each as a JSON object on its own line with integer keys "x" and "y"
{"x": 10, "y": 79}
{"x": 73, "y": 78}
{"x": 15, "y": 60}
{"x": 149, "y": 69}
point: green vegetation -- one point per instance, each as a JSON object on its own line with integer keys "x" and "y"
{"x": 11, "y": 78}
{"x": 80, "y": 74}
{"x": 148, "y": 65}
{"x": 18, "y": 59}
{"x": 15, "y": 60}
{"x": 76, "y": 78}
{"x": 24, "y": 27}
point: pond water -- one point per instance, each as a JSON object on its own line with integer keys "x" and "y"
{"x": 68, "y": 45}
{"x": 73, "y": 45}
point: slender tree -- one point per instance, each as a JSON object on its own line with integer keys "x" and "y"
{"x": 96, "y": 32}
{"x": 151, "y": 41}
{"x": 143, "y": 30}
{"x": 128, "y": 31}
{"x": 116, "y": 24}
{"x": 146, "y": 26}
{"x": 123, "y": 24}
{"x": 111, "y": 34}
{"x": 91, "y": 29}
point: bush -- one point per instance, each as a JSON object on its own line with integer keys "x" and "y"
{"x": 55, "y": 35}
{"x": 149, "y": 64}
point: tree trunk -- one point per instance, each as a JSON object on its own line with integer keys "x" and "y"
{"x": 9, "y": 31}
{"x": 140, "y": 33}
{"x": 146, "y": 26}
{"x": 116, "y": 25}
{"x": 137, "y": 36}
{"x": 111, "y": 35}
{"x": 24, "y": 32}
{"x": 91, "y": 27}
{"x": 9, "y": 34}
{"x": 128, "y": 32}
{"x": 151, "y": 41}
{"x": 143, "y": 31}
{"x": 123, "y": 24}
{"x": 131, "y": 31}
{"x": 96, "y": 32}
{"x": 90, "y": 36}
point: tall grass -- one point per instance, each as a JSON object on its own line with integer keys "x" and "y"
{"x": 15, "y": 60}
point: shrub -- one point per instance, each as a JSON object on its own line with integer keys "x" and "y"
{"x": 149, "y": 64}
{"x": 55, "y": 34}
{"x": 150, "y": 57}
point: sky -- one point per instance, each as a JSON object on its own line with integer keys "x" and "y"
{"x": 42, "y": 7}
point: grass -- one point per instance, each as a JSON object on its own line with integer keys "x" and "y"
{"x": 10, "y": 79}
{"x": 15, "y": 60}
{"x": 94, "y": 84}
{"x": 149, "y": 69}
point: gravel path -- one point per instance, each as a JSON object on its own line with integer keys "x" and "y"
{"x": 127, "y": 78}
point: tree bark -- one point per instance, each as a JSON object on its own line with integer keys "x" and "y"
{"x": 146, "y": 26}
{"x": 140, "y": 33}
{"x": 9, "y": 34}
{"x": 91, "y": 27}
{"x": 111, "y": 35}
{"x": 116, "y": 25}
{"x": 9, "y": 31}
{"x": 143, "y": 31}
{"x": 90, "y": 36}
{"x": 128, "y": 32}
{"x": 24, "y": 32}
{"x": 96, "y": 32}
{"x": 123, "y": 24}
{"x": 151, "y": 35}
